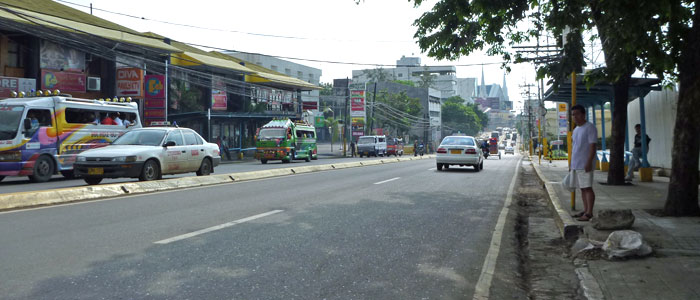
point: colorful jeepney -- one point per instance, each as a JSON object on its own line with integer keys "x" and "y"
{"x": 286, "y": 141}
{"x": 41, "y": 136}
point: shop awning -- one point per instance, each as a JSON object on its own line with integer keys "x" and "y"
{"x": 263, "y": 75}
{"x": 188, "y": 59}
{"x": 38, "y": 19}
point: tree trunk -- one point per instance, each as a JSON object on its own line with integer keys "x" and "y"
{"x": 616, "y": 173}
{"x": 682, "y": 197}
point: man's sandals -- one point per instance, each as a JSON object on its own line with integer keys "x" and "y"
{"x": 583, "y": 216}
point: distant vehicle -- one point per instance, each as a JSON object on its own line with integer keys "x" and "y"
{"x": 285, "y": 140}
{"x": 510, "y": 150}
{"x": 394, "y": 147}
{"x": 41, "y": 136}
{"x": 495, "y": 134}
{"x": 148, "y": 154}
{"x": 507, "y": 136}
{"x": 459, "y": 150}
{"x": 375, "y": 145}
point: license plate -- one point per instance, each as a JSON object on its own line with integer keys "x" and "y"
{"x": 455, "y": 151}
{"x": 96, "y": 171}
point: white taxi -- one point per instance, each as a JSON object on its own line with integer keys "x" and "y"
{"x": 459, "y": 150}
{"x": 148, "y": 154}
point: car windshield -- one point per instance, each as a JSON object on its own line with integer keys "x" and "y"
{"x": 366, "y": 140}
{"x": 271, "y": 133}
{"x": 141, "y": 137}
{"x": 10, "y": 116}
{"x": 460, "y": 141}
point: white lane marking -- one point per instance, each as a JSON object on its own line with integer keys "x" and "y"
{"x": 432, "y": 169}
{"x": 217, "y": 227}
{"x": 481, "y": 291}
{"x": 385, "y": 181}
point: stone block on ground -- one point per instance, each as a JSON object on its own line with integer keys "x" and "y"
{"x": 613, "y": 219}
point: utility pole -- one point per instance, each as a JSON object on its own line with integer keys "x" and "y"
{"x": 345, "y": 117}
{"x": 528, "y": 106}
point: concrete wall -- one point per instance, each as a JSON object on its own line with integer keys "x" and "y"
{"x": 660, "y": 112}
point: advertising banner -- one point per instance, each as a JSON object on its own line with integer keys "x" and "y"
{"x": 154, "y": 103}
{"x": 563, "y": 115}
{"x": 60, "y": 58}
{"x": 358, "y": 126}
{"x": 14, "y": 84}
{"x": 64, "y": 81}
{"x": 319, "y": 122}
{"x": 218, "y": 94}
{"x": 129, "y": 82}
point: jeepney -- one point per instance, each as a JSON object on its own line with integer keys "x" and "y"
{"x": 286, "y": 140}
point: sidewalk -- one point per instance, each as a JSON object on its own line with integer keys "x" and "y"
{"x": 671, "y": 272}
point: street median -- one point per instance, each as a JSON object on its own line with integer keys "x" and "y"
{"x": 95, "y": 192}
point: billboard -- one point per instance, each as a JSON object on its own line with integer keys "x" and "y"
{"x": 218, "y": 94}
{"x": 563, "y": 115}
{"x": 129, "y": 82}
{"x": 154, "y": 104}
{"x": 14, "y": 84}
{"x": 64, "y": 81}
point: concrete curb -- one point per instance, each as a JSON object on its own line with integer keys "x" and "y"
{"x": 568, "y": 228}
{"x": 84, "y": 193}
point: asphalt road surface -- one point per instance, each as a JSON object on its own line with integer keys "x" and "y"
{"x": 394, "y": 231}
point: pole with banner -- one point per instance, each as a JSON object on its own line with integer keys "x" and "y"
{"x": 571, "y": 129}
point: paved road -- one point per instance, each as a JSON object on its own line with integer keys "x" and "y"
{"x": 395, "y": 231}
{"x": 22, "y": 184}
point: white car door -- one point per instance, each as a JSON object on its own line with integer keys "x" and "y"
{"x": 196, "y": 150}
{"x": 176, "y": 157}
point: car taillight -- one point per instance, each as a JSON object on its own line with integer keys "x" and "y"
{"x": 442, "y": 150}
{"x": 470, "y": 151}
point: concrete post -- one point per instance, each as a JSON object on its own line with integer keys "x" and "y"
{"x": 604, "y": 164}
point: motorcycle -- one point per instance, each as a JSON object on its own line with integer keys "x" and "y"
{"x": 421, "y": 149}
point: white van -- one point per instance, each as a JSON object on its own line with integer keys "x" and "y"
{"x": 371, "y": 145}
{"x": 41, "y": 136}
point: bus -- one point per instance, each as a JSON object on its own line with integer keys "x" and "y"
{"x": 41, "y": 136}
{"x": 282, "y": 139}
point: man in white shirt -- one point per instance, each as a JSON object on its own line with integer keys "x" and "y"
{"x": 583, "y": 150}
{"x": 117, "y": 120}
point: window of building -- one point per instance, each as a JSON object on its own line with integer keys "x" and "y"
{"x": 288, "y": 72}
{"x": 14, "y": 55}
{"x": 400, "y": 75}
{"x": 273, "y": 68}
{"x": 300, "y": 74}
{"x": 311, "y": 77}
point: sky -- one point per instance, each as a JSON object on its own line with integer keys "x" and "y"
{"x": 373, "y": 32}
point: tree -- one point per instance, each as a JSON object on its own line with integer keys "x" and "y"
{"x": 456, "y": 116}
{"x": 405, "y": 82}
{"x": 426, "y": 80}
{"x": 376, "y": 75}
{"x": 397, "y": 111}
{"x": 327, "y": 89}
{"x": 657, "y": 36}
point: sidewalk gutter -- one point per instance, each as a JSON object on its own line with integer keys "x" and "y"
{"x": 84, "y": 193}
{"x": 568, "y": 229}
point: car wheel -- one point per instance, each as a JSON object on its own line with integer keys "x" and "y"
{"x": 2, "y": 177}
{"x": 150, "y": 171}
{"x": 205, "y": 168}
{"x": 314, "y": 157}
{"x": 446, "y": 166}
{"x": 68, "y": 174}
{"x": 263, "y": 161}
{"x": 43, "y": 169}
{"x": 360, "y": 155}
{"x": 439, "y": 167}
{"x": 93, "y": 180}
{"x": 308, "y": 158}
{"x": 476, "y": 168}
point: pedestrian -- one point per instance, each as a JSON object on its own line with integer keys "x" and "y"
{"x": 636, "y": 152}
{"x": 583, "y": 151}
{"x": 415, "y": 148}
{"x": 352, "y": 148}
{"x": 224, "y": 147}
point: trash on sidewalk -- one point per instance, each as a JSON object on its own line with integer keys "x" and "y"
{"x": 613, "y": 219}
{"x": 619, "y": 244}
{"x": 626, "y": 243}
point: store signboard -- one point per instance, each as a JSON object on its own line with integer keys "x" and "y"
{"x": 218, "y": 94}
{"x": 60, "y": 58}
{"x": 129, "y": 82}
{"x": 563, "y": 115}
{"x": 63, "y": 81}
{"x": 154, "y": 103}
{"x": 14, "y": 84}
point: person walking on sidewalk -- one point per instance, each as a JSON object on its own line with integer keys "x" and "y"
{"x": 583, "y": 150}
{"x": 636, "y": 152}
{"x": 352, "y": 148}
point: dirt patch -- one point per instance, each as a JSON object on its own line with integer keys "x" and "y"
{"x": 546, "y": 269}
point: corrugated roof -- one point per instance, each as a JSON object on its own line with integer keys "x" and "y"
{"x": 265, "y": 75}
{"x": 41, "y": 19}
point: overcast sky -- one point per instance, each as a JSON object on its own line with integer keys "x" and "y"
{"x": 375, "y": 31}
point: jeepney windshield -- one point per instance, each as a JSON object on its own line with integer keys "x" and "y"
{"x": 10, "y": 115}
{"x": 271, "y": 133}
{"x": 365, "y": 140}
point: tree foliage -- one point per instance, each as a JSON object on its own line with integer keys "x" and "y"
{"x": 396, "y": 112}
{"x": 457, "y": 116}
{"x": 377, "y": 75}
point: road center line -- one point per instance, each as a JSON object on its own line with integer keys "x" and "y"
{"x": 385, "y": 181}
{"x": 217, "y": 227}
{"x": 481, "y": 291}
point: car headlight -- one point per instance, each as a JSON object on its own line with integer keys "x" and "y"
{"x": 11, "y": 156}
{"x": 131, "y": 158}
{"x": 81, "y": 158}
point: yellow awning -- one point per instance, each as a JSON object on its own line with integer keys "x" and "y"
{"x": 34, "y": 18}
{"x": 187, "y": 58}
{"x": 261, "y": 77}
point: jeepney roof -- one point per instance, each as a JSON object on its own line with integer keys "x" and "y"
{"x": 278, "y": 123}
{"x": 84, "y": 103}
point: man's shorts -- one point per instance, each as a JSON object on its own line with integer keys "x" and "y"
{"x": 582, "y": 179}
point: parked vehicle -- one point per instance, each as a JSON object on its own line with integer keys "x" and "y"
{"x": 42, "y": 135}
{"x": 375, "y": 145}
{"x": 148, "y": 154}
{"x": 285, "y": 140}
{"x": 394, "y": 146}
{"x": 459, "y": 150}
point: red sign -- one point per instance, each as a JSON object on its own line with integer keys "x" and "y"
{"x": 218, "y": 94}
{"x": 154, "y": 103}
{"x": 154, "y": 113}
{"x": 64, "y": 81}
{"x": 129, "y": 82}
{"x": 310, "y": 105}
{"x": 155, "y": 86}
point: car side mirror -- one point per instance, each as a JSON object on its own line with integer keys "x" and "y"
{"x": 27, "y": 124}
{"x": 169, "y": 144}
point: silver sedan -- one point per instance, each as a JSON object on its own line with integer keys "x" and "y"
{"x": 461, "y": 151}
